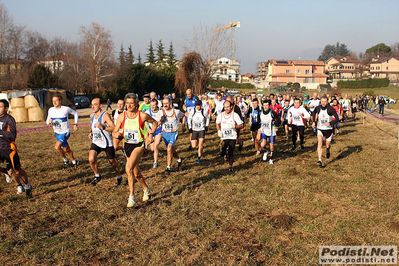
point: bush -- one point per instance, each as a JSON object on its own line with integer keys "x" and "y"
{"x": 296, "y": 86}
{"x": 369, "y": 93}
{"x": 363, "y": 83}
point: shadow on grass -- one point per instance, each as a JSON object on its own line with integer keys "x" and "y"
{"x": 345, "y": 153}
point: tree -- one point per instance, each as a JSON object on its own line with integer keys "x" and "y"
{"x": 193, "y": 73}
{"x": 37, "y": 47}
{"x": 329, "y": 51}
{"x": 130, "y": 56}
{"x": 171, "y": 55}
{"x": 160, "y": 52}
{"x": 122, "y": 58}
{"x": 395, "y": 49}
{"x": 379, "y": 50}
{"x": 139, "y": 58}
{"x": 150, "y": 54}
{"x": 41, "y": 77}
{"x": 6, "y": 23}
{"x": 97, "y": 46}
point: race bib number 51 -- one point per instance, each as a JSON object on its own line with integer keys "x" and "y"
{"x": 132, "y": 136}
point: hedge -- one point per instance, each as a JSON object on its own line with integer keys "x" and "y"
{"x": 363, "y": 83}
{"x": 229, "y": 84}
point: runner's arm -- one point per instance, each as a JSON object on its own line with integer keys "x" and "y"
{"x": 10, "y": 134}
{"x": 331, "y": 111}
{"x": 74, "y": 113}
{"x": 109, "y": 124}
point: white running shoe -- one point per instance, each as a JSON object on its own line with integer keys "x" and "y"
{"x": 270, "y": 161}
{"x": 131, "y": 202}
{"x": 20, "y": 189}
{"x": 146, "y": 195}
{"x": 155, "y": 165}
{"x": 8, "y": 178}
{"x": 257, "y": 153}
{"x": 265, "y": 156}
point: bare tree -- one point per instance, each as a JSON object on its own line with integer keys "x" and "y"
{"x": 6, "y": 23}
{"x": 98, "y": 47}
{"x": 37, "y": 47}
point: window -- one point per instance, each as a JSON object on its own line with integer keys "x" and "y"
{"x": 307, "y": 71}
{"x": 387, "y": 68}
{"x": 290, "y": 79}
{"x": 299, "y": 80}
{"x": 307, "y": 80}
{"x": 313, "y": 80}
{"x": 220, "y": 62}
{"x": 299, "y": 71}
{"x": 287, "y": 71}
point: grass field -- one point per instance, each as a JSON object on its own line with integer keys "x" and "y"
{"x": 263, "y": 215}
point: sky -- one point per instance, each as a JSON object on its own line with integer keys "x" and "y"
{"x": 280, "y": 29}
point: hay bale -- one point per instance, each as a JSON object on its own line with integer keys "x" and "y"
{"x": 20, "y": 114}
{"x": 30, "y": 101}
{"x": 17, "y": 103}
{"x": 35, "y": 114}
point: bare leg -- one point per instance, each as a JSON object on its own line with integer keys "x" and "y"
{"x": 319, "y": 146}
{"x": 93, "y": 161}
{"x": 69, "y": 153}
{"x": 132, "y": 164}
{"x": 200, "y": 147}
{"x": 59, "y": 149}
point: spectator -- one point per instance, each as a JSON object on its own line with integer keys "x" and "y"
{"x": 381, "y": 104}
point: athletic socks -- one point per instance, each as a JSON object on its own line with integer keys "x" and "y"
{"x": 97, "y": 175}
{"x": 74, "y": 162}
{"x": 179, "y": 160}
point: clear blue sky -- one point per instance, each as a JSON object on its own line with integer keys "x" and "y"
{"x": 279, "y": 29}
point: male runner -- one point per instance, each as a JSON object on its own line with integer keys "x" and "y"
{"x": 101, "y": 136}
{"x": 269, "y": 121}
{"x": 169, "y": 119}
{"x": 145, "y": 106}
{"x": 284, "y": 113}
{"x": 115, "y": 113}
{"x": 326, "y": 117}
{"x": 296, "y": 118}
{"x": 198, "y": 122}
{"x": 312, "y": 104}
{"x": 227, "y": 124}
{"x": 8, "y": 150}
{"x": 254, "y": 114}
{"x": 189, "y": 104}
{"x": 58, "y": 117}
{"x": 158, "y": 132}
{"x": 132, "y": 123}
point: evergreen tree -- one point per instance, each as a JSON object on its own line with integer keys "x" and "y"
{"x": 122, "y": 58}
{"x": 139, "y": 58}
{"x": 150, "y": 54}
{"x": 329, "y": 51}
{"x": 130, "y": 56}
{"x": 160, "y": 52}
{"x": 41, "y": 77}
{"x": 171, "y": 55}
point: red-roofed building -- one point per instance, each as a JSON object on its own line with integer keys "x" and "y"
{"x": 385, "y": 67}
{"x": 307, "y": 73}
{"x": 344, "y": 67}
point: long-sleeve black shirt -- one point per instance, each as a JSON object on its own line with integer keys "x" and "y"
{"x": 8, "y": 131}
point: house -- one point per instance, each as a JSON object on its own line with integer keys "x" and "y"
{"x": 262, "y": 70}
{"x": 55, "y": 62}
{"x": 10, "y": 66}
{"x": 225, "y": 69}
{"x": 343, "y": 67}
{"x": 306, "y": 72}
{"x": 385, "y": 67}
{"x": 249, "y": 78}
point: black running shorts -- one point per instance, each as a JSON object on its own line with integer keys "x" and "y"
{"x": 198, "y": 135}
{"x": 110, "y": 151}
{"x": 11, "y": 157}
{"x": 128, "y": 148}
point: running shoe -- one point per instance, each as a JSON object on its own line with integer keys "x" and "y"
{"x": 155, "y": 165}
{"x": 264, "y": 158}
{"x": 271, "y": 161}
{"x": 75, "y": 165}
{"x": 118, "y": 181}
{"x": 320, "y": 163}
{"x": 146, "y": 195}
{"x": 198, "y": 160}
{"x": 302, "y": 147}
{"x": 328, "y": 154}
{"x": 190, "y": 148}
{"x": 28, "y": 190}
{"x": 65, "y": 165}
{"x": 252, "y": 139}
{"x": 179, "y": 164}
{"x": 257, "y": 153}
{"x": 20, "y": 189}
{"x": 95, "y": 180}
{"x": 131, "y": 202}
{"x": 293, "y": 148}
{"x": 168, "y": 171}
{"x": 8, "y": 178}
{"x": 231, "y": 171}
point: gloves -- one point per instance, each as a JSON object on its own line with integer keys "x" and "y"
{"x": 220, "y": 134}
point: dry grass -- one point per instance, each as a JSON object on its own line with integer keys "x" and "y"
{"x": 274, "y": 215}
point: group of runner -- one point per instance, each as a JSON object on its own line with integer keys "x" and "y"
{"x": 143, "y": 126}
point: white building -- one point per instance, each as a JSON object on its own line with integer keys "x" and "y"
{"x": 225, "y": 69}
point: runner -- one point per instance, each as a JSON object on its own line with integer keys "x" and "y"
{"x": 326, "y": 117}
{"x": 312, "y": 104}
{"x": 8, "y": 150}
{"x": 198, "y": 122}
{"x": 286, "y": 107}
{"x": 158, "y": 132}
{"x": 296, "y": 118}
{"x": 169, "y": 119}
{"x": 227, "y": 124}
{"x": 338, "y": 108}
{"x": 133, "y": 133}
{"x": 58, "y": 117}
{"x": 115, "y": 113}
{"x": 145, "y": 106}
{"x": 254, "y": 114}
{"x": 345, "y": 105}
{"x": 269, "y": 125}
{"x": 101, "y": 136}
{"x": 189, "y": 104}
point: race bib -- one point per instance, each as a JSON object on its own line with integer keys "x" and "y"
{"x": 132, "y": 136}
{"x": 56, "y": 124}
{"x": 227, "y": 133}
{"x": 168, "y": 126}
{"x": 97, "y": 136}
{"x": 189, "y": 109}
{"x": 197, "y": 125}
{"x": 266, "y": 125}
{"x": 297, "y": 118}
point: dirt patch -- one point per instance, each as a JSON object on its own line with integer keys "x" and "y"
{"x": 282, "y": 221}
